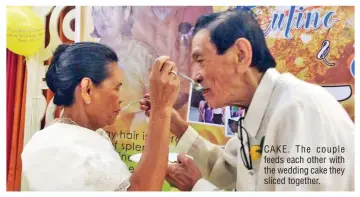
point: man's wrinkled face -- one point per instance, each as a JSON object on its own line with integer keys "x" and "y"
{"x": 216, "y": 73}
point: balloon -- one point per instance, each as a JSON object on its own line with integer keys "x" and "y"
{"x": 25, "y": 31}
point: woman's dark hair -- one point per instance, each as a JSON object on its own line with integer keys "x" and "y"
{"x": 71, "y": 63}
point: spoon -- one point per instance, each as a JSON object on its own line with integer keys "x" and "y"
{"x": 129, "y": 105}
{"x": 197, "y": 86}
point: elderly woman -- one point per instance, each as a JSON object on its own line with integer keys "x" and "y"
{"x": 73, "y": 153}
{"x": 112, "y": 25}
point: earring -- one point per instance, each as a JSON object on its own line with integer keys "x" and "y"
{"x": 88, "y": 102}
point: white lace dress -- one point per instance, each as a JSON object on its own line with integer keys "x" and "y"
{"x": 65, "y": 157}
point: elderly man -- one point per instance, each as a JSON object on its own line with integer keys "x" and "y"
{"x": 302, "y": 125}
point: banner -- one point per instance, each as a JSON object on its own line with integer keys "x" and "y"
{"x": 314, "y": 43}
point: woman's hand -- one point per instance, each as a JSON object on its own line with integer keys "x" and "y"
{"x": 164, "y": 84}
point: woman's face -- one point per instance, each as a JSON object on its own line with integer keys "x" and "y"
{"x": 105, "y": 98}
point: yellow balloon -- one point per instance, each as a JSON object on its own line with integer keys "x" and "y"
{"x": 25, "y": 31}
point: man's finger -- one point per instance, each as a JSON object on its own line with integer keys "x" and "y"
{"x": 147, "y": 95}
{"x": 172, "y": 174}
{"x": 145, "y": 101}
{"x": 170, "y": 168}
{"x": 144, "y": 107}
{"x": 170, "y": 180}
{"x": 145, "y": 104}
{"x": 183, "y": 159}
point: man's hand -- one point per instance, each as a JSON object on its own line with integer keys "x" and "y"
{"x": 177, "y": 125}
{"x": 184, "y": 174}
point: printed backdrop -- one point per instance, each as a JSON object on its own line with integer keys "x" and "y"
{"x": 316, "y": 44}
